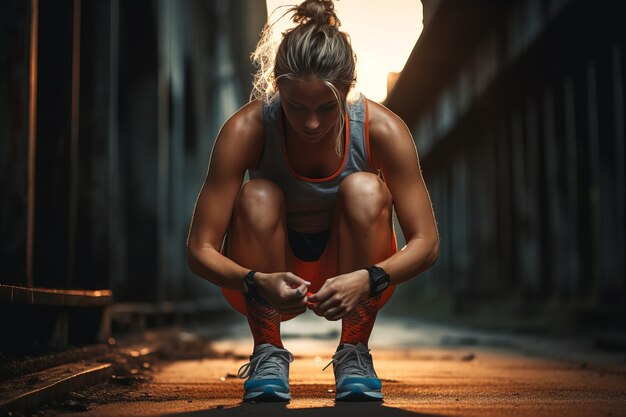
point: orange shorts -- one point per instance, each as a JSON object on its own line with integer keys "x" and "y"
{"x": 311, "y": 271}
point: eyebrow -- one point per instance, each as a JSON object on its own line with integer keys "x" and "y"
{"x": 322, "y": 105}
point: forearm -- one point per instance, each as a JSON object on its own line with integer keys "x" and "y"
{"x": 210, "y": 264}
{"x": 417, "y": 256}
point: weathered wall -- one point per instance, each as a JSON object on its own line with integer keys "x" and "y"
{"x": 517, "y": 110}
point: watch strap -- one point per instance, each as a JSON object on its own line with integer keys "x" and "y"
{"x": 250, "y": 289}
{"x": 379, "y": 280}
{"x": 249, "y": 286}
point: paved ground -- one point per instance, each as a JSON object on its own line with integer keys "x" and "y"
{"x": 426, "y": 369}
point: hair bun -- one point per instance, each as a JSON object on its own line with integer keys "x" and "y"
{"x": 319, "y": 12}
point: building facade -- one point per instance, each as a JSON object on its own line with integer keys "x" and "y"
{"x": 108, "y": 114}
{"x": 517, "y": 110}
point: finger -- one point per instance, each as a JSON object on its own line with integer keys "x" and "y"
{"x": 321, "y": 295}
{"x": 290, "y": 294}
{"x": 328, "y": 304}
{"x": 299, "y": 292}
{"x": 323, "y": 309}
{"x": 295, "y": 280}
{"x": 314, "y": 308}
{"x": 309, "y": 295}
{"x": 334, "y": 314}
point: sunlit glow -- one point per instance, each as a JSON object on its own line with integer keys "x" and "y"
{"x": 383, "y": 35}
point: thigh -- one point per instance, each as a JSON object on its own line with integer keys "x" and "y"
{"x": 333, "y": 261}
{"x": 257, "y": 235}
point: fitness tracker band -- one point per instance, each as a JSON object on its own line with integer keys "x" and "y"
{"x": 249, "y": 286}
{"x": 379, "y": 280}
{"x": 251, "y": 291}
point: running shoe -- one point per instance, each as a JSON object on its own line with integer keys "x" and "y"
{"x": 355, "y": 377}
{"x": 267, "y": 373}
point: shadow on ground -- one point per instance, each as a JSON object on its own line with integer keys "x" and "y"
{"x": 279, "y": 409}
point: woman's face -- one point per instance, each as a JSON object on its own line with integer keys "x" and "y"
{"x": 310, "y": 108}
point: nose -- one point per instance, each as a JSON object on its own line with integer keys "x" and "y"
{"x": 312, "y": 121}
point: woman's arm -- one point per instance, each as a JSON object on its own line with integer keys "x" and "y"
{"x": 393, "y": 151}
{"x": 238, "y": 147}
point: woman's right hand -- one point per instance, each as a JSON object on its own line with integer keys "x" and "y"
{"x": 285, "y": 291}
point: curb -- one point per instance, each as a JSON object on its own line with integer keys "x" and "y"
{"x": 27, "y": 393}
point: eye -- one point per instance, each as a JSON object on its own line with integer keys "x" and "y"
{"x": 296, "y": 107}
{"x": 329, "y": 107}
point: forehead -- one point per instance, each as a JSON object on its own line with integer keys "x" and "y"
{"x": 311, "y": 91}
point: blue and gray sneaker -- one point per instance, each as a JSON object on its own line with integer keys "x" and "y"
{"x": 267, "y": 373}
{"x": 355, "y": 377}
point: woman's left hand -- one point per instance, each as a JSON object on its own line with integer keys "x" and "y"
{"x": 340, "y": 295}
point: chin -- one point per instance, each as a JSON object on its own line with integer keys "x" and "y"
{"x": 312, "y": 139}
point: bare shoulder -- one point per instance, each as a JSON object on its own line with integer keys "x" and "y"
{"x": 382, "y": 120}
{"x": 246, "y": 122}
{"x": 389, "y": 134}
{"x": 243, "y": 134}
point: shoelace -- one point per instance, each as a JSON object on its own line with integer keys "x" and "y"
{"x": 273, "y": 369}
{"x": 342, "y": 355}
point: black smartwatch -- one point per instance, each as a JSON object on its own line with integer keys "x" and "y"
{"x": 379, "y": 280}
{"x": 249, "y": 286}
{"x": 251, "y": 291}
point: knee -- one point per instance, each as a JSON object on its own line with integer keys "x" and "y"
{"x": 259, "y": 205}
{"x": 364, "y": 198}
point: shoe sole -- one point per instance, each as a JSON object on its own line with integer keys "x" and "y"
{"x": 358, "y": 392}
{"x": 266, "y": 394}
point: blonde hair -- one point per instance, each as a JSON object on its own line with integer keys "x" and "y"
{"x": 314, "y": 48}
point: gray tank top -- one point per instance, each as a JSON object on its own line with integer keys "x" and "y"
{"x": 310, "y": 201}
